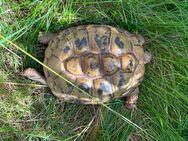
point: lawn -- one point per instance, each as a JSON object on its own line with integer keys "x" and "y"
{"x": 28, "y": 111}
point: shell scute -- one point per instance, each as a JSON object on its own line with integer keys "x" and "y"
{"x": 55, "y": 64}
{"x": 99, "y": 38}
{"x": 91, "y": 65}
{"x": 85, "y": 85}
{"x": 120, "y": 43}
{"x": 73, "y": 66}
{"x": 111, "y": 64}
{"x": 103, "y": 87}
{"x": 79, "y": 40}
{"x": 128, "y": 63}
{"x": 65, "y": 87}
{"x": 139, "y": 53}
{"x": 64, "y": 50}
{"x": 121, "y": 81}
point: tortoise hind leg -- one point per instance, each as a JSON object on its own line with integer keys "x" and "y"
{"x": 131, "y": 100}
{"x": 34, "y": 75}
{"x": 147, "y": 57}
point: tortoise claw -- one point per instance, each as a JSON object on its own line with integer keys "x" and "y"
{"x": 131, "y": 107}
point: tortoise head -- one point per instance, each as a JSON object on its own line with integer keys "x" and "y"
{"x": 44, "y": 38}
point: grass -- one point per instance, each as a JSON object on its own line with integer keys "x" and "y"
{"x": 30, "y": 112}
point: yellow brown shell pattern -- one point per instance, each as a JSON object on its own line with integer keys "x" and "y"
{"x": 104, "y": 61}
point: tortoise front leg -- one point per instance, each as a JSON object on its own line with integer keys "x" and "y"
{"x": 131, "y": 100}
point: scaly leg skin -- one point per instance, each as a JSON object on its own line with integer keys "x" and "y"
{"x": 44, "y": 38}
{"x": 34, "y": 75}
{"x": 147, "y": 57}
{"x": 131, "y": 100}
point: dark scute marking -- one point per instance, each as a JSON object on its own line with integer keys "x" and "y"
{"x": 103, "y": 88}
{"x": 84, "y": 87}
{"x": 101, "y": 41}
{"x": 93, "y": 66}
{"x": 131, "y": 63}
{"x": 122, "y": 81}
{"x": 130, "y": 66}
{"x": 119, "y": 43}
{"x": 112, "y": 66}
{"x": 99, "y": 91}
{"x": 66, "y": 49}
{"x": 81, "y": 43}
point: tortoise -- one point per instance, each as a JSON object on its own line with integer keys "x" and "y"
{"x": 103, "y": 61}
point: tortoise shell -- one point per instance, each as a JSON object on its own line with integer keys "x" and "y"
{"x": 104, "y": 61}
